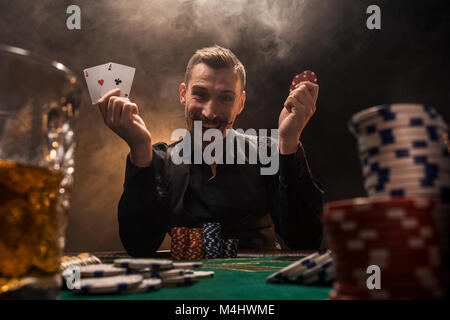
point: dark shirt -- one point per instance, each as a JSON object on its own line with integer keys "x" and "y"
{"x": 262, "y": 211}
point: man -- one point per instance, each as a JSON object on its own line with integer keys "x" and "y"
{"x": 262, "y": 211}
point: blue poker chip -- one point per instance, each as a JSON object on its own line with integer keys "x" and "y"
{"x": 212, "y": 235}
{"x": 399, "y": 136}
{"x": 419, "y": 163}
{"x": 108, "y": 285}
{"x": 101, "y": 270}
{"x": 389, "y": 112}
{"x": 396, "y": 120}
{"x": 441, "y": 193}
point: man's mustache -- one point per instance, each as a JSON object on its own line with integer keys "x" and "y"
{"x": 215, "y": 122}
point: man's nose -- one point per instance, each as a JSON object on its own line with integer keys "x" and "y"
{"x": 208, "y": 111}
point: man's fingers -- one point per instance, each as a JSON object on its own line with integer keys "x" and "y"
{"x": 103, "y": 101}
{"x": 128, "y": 110}
{"x": 291, "y": 102}
{"x": 313, "y": 88}
{"x": 117, "y": 111}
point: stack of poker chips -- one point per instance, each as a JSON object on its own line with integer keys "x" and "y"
{"x": 230, "y": 248}
{"x": 179, "y": 243}
{"x": 213, "y": 240}
{"x": 199, "y": 243}
{"x": 404, "y": 151}
{"x": 194, "y": 250}
{"x": 314, "y": 269}
{"x": 396, "y": 235}
{"x": 131, "y": 276}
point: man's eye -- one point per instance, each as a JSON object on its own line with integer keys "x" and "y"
{"x": 199, "y": 94}
{"x": 227, "y": 98}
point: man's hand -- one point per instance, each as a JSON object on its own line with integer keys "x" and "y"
{"x": 121, "y": 116}
{"x": 299, "y": 107}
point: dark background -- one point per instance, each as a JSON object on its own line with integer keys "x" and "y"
{"x": 405, "y": 61}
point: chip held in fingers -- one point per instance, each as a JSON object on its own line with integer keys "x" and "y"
{"x": 306, "y": 75}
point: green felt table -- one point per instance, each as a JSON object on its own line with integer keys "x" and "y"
{"x": 242, "y": 278}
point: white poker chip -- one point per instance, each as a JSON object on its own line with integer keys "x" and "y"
{"x": 398, "y": 108}
{"x": 411, "y": 163}
{"x": 410, "y": 184}
{"x": 171, "y": 273}
{"x": 408, "y": 145}
{"x": 108, "y": 284}
{"x": 203, "y": 274}
{"x": 423, "y": 192}
{"x": 400, "y": 135}
{"x": 188, "y": 265}
{"x": 147, "y": 285}
{"x": 405, "y": 153}
{"x": 315, "y": 265}
{"x": 142, "y": 263}
{"x": 186, "y": 279}
{"x": 373, "y": 180}
{"x": 397, "y": 121}
{"x": 101, "y": 270}
{"x": 287, "y": 271}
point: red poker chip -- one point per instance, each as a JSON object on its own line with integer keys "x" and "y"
{"x": 306, "y": 75}
{"x": 391, "y": 226}
{"x": 371, "y": 204}
{"x": 382, "y": 235}
{"x": 380, "y": 215}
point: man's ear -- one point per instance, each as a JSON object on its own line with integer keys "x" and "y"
{"x": 183, "y": 93}
{"x": 242, "y": 102}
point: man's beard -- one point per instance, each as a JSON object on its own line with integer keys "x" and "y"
{"x": 218, "y": 123}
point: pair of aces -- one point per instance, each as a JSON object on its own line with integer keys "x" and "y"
{"x": 106, "y": 77}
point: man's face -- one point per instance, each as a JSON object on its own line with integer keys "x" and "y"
{"x": 213, "y": 96}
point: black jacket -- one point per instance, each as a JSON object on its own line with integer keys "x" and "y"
{"x": 289, "y": 204}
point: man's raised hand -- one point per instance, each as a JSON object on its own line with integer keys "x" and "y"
{"x": 122, "y": 117}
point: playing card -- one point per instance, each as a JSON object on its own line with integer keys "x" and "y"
{"x": 119, "y": 76}
{"x": 95, "y": 80}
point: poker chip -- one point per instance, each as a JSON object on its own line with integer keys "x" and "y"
{"x": 108, "y": 285}
{"x": 82, "y": 259}
{"x": 292, "y": 269}
{"x": 306, "y": 75}
{"x": 399, "y": 235}
{"x": 187, "y": 265}
{"x": 142, "y": 263}
{"x": 408, "y": 146}
{"x": 203, "y": 274}
{"x": 391, "y": 111}
{"x": 400, "y": 135}
{"x": 313, "y": 269}
{"x": 397, "y": 121}
{"x": 170, "y": 273}
{"x": 147, "y": 285}
{"x": 381, "y": 178}
{"x": 230, "y": 248}
{"x": 194, "y": 250}
{"x": 212, "y": 232}
{"x": 404, "y": 152}
{"x": 101, "y": 270}
{"x": 177, "y": 281}
{"x": 179, "y": 242}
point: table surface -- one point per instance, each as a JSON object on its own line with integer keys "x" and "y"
{"x": 241, "y": 278}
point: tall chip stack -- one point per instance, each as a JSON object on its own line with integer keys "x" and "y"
{"x": 404, "y": 154}
{"x": 404, "y": 151}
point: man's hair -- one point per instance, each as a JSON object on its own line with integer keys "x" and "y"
{"x": 216, "y": 57}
